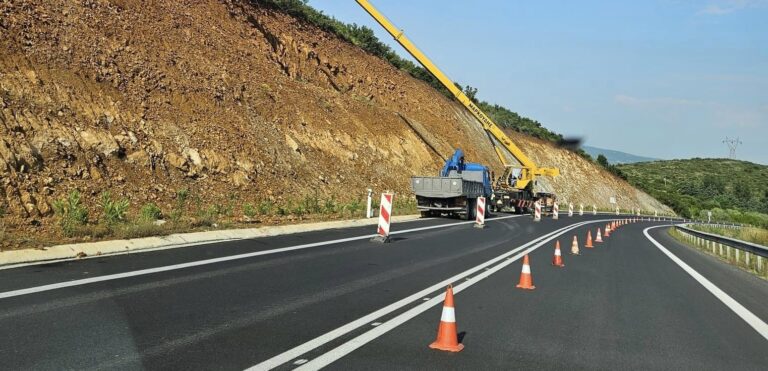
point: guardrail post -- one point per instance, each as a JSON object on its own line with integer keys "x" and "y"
{"x": 737, "y": 255}
{"x": 746, "y": 259}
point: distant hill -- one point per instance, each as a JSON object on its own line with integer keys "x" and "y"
{"x": 733, "y": 190}
{"x": 616, "y": 157}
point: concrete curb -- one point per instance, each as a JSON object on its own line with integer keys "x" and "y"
{"x": 9, "y": 259}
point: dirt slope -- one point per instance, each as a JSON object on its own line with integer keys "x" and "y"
{"x": 228, "y": 99}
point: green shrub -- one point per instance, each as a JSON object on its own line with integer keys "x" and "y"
{"x": 329, "y": 207}
{"x": 181, "y": 201}
{"x": 249, "y": 210}
{"x": 265, "y": 207}
{"x": 353, "y": 207}
{"x": 114, "y": 211}
{"x": 299, "y": 210}
{"x": 207, "y": 217}
{"x": 311, "y": 204}
{"x": 150, "y": 212}
{"x": 282, "y": 210}
{"x": 71, "y": 213}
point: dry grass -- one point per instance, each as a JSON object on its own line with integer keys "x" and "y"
{"x": 748, "y": 262}
{"x": 749, "y": 234}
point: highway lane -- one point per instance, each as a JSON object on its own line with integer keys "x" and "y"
{"x": 623, "y": 304}
{"x": 232, "y": 314}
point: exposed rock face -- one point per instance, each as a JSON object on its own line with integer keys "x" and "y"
{"x": 225, "y": 98}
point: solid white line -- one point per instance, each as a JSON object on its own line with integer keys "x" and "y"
{"x": 351, "y": 345}
{"x": 749, "y": 317}
{"x": 423, "y": 295}
{"x": 141, "y": 272}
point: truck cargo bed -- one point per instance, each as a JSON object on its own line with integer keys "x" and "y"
{"x": 445, "y": 187}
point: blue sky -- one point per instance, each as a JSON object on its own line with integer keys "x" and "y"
{"x": 659, "y": 78}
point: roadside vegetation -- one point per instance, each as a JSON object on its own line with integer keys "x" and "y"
{"x": 725, "y": 253}
{"x": 114, "y": 217}
{"x": 749, "y": 234}
{"x": 734, "y": 191}
{"x": 364, "y": 38}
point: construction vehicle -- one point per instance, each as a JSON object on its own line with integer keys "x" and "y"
{"x": 515, "y": 186}
{"x": 455, "y": 191}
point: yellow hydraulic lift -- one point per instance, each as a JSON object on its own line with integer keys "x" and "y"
{"x": 528, "y": 170}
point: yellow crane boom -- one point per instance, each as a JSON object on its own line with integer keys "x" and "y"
{"x": 529, "y": 169}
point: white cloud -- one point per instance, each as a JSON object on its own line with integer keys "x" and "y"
{"x": 722, "y": 7}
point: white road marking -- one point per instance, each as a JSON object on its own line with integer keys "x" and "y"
{"x": 748, "y": 317}
{"x": 357, "y": 342}
{"x": 375, "y": 324}
{"x": 170, "y": 247}
{"x": 300, "y": 362}
{"x": 319, "y": 341}
{"x": 141, "y": 272}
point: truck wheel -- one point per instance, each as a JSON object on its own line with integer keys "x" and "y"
{"x": 471, "y": 209}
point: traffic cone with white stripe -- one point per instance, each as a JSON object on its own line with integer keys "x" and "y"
{"x": 589, "y": 240}
{"x": 447, "y": 337}
{"x": 599, "y": 238}
{"x": 526, "y": 280}
{"x": 575, "y": 246}
{"x": 557, "y": 260}
{"x": 607, "y": 230}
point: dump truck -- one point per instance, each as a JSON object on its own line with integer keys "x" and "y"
{"x": 455, "y": 190}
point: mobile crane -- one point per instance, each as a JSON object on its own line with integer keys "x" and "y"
{"x": 514, "y": 189}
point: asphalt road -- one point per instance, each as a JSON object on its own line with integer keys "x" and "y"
{"x": 622, "y": 304}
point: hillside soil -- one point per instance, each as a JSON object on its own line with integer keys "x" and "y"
{"x": 233, "y": 102}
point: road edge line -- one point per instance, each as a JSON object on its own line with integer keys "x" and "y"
{"x": 750, "y": 318}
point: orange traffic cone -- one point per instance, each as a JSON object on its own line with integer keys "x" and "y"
{"x": 447, "y": 338}
{"x": 607, "y": 230}
{"x": 589, "y": 240}
{"x": 575, "y": 246}
{"x": 526, "y": 281}
{"x": 599, "y": 237}
{"x": 557, "y": 260}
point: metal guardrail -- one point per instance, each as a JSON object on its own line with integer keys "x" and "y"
{"x": 749, "y": 247}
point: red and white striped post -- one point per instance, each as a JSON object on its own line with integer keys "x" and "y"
{"x": 570, "y": 209}
{"x": 537, "y": 211}
{"x": 555, "y": 211}
{"x": 480, "y": 218}
{"x": 385, "y": 215}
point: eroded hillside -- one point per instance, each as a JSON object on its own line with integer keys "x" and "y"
{"x": 230, "y": 100}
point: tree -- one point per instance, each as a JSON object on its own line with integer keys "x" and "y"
{"x": 602, "y": 160}
{"x": 471, "y": 93}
